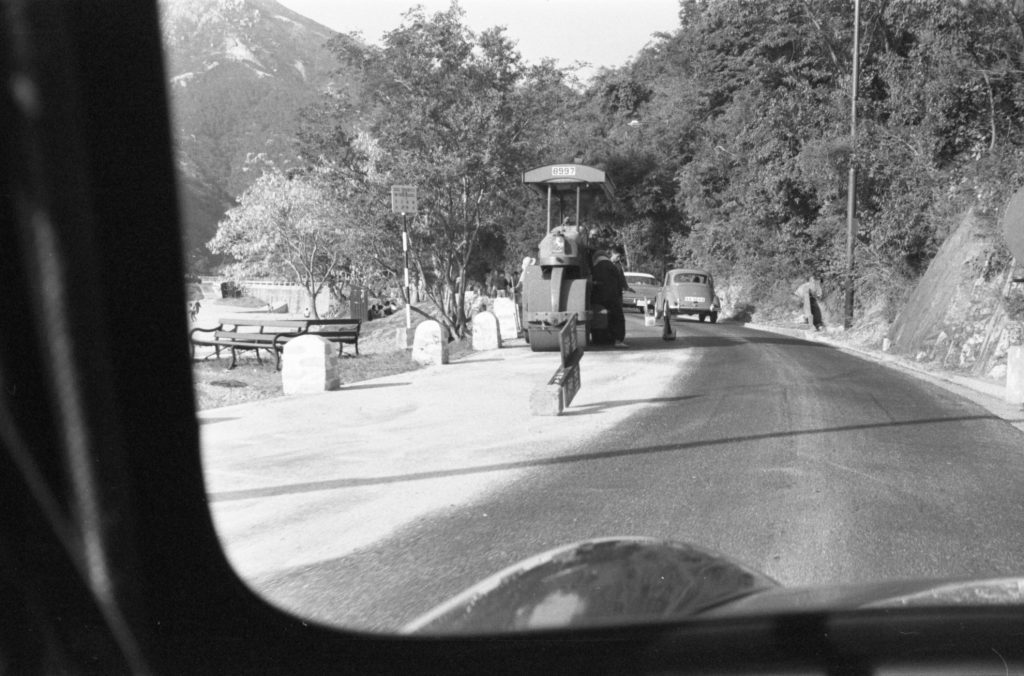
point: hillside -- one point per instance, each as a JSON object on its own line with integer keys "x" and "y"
{"x": 239, "y": 72}
{"x": 955, "y": 318}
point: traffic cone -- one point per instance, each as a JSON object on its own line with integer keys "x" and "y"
{"x": 667, "y": 333}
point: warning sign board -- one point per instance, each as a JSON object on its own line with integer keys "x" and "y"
{"x": 403, "y": 199}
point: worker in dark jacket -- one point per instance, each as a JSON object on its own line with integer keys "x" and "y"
{"x": 609, "y": 283}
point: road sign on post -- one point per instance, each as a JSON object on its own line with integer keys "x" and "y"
{"x": 558, "y": 393}
{"x": 403, "y": 199}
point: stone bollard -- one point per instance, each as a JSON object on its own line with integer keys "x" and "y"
{"x": 310, "y": 364}
{"x": 403, "y": 338}
{"x": 486, "y": 335}
{"x": 506, "y": 312}
{"x": 430, "y": 344}
{"x": 1015, "y": 374}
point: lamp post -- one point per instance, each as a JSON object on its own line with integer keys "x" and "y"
{"x": 851, "y": 187}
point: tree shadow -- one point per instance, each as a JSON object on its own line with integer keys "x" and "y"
{"x": 590, "y": 409}
{"x": 372, "y": 386}
{"x": 784, "y": 340}
{"x": 210, "y": 421}
{"x": 361, "y": 482}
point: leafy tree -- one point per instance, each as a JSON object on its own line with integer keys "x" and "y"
{"x": 440, "y": 105}
{"x": 289, "y": 226}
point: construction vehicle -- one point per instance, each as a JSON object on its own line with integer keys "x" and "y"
{"x": 559, "y": 285}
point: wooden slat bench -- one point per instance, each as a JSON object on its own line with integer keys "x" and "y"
{"x": 337, "y": 330}
{"x": 271, "y": 334}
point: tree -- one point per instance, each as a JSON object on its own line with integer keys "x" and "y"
{"x": 289, "y": 226}
{"x": 441, "y": 110}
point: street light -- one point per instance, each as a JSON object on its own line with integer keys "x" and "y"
{"x": 851, "y": 188}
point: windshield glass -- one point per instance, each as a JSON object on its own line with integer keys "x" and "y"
{"x": 689, "y": 278}
{"x": 398, "y": 398}
{"x": 634, "y": 278}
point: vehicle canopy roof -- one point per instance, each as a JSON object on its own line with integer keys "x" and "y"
{"x": 565, "y": 178}
{"x": 561, "y": 180}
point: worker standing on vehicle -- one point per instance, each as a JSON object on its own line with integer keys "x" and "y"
{"x": 809, "y": 292}
{"x": 609, "y": 283}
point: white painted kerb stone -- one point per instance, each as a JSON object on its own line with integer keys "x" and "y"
{"x": 485, "y": 332}
{"x": 508, "y": 318}
{"x": 430, "y": 344}
{"x": 1015, "y": 374}
{"x": 310, "y": 364}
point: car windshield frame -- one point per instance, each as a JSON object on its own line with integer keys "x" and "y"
{"x": 113, "y": 564}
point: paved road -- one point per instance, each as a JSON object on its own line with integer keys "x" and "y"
{"x": 800, "y": 460}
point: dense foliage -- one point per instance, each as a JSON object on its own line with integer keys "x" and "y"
{"x": 764, "y": 88}
{"x": 728, "y": 139}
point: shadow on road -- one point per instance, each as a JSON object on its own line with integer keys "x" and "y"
{"x": 373, "y": 386}
{"x": 210, "y": 421}
{"x": 590, "y": 409}
{"x": 334, "y": 484}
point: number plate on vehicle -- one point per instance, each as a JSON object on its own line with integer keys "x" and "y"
{"x": 694, "y": 299}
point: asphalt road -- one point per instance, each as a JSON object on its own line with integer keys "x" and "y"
{"x": 807, "y": 463}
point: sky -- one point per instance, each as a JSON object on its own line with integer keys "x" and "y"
{"x": 600, "y": 32}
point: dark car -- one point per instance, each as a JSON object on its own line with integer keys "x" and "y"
{"x": 645, "y": 290}
{"x": 689, "y": 291}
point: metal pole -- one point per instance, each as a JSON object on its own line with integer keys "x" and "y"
{"x": 549, "y": 209}
{"x": 851, "y": 187}
{"x": 408, "y": 288}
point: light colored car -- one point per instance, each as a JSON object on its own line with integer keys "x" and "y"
{"x": 688, "y": 291}
{"x": 645, "y": 290}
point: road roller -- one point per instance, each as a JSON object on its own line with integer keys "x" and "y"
{"x": 559, "y": 284}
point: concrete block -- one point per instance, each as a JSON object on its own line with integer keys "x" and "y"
{"x": 486, "y": 335}
{"x": 430, "y": 343}
{"x": 1015, "y": 374}
{"x": 310, "y": 364}
{"x": 508, "y": 317}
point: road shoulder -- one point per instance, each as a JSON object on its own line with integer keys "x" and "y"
{"x": 984, "y": 393}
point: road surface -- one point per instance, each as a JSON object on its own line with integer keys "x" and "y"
{"x": 805, "y": 462}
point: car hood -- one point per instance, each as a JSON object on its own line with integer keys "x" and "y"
{"x": 631, "y": 579}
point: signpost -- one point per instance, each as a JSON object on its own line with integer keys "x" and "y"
{"x": 553, "y": 398}
{"x": 403, "y": 201}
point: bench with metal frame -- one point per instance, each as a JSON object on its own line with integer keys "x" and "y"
{"x": 271, "y": 334}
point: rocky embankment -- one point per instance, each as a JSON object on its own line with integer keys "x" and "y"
{"x": 956, "y": 318}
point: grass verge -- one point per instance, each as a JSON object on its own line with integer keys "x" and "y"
{"x": 216, "y": 386}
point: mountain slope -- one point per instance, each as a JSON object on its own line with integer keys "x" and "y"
{"x": 239, "y": 73}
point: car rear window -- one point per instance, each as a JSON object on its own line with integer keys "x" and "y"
{"x": 689, "y": 278}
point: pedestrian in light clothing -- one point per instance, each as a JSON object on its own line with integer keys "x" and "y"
{"x": 809, "y": 292}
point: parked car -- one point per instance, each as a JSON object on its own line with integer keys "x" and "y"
{"x": 645, "y": 290}
{"x": 688, "y": 291}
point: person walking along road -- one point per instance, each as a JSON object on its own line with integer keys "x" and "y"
{"x": 809, "y": 292}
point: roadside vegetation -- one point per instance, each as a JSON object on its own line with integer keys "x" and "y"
{"x": 728, "y": 140}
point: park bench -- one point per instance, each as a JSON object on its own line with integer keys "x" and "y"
{"x": 238, "y": 334}
{"x": 342, "y": 331}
